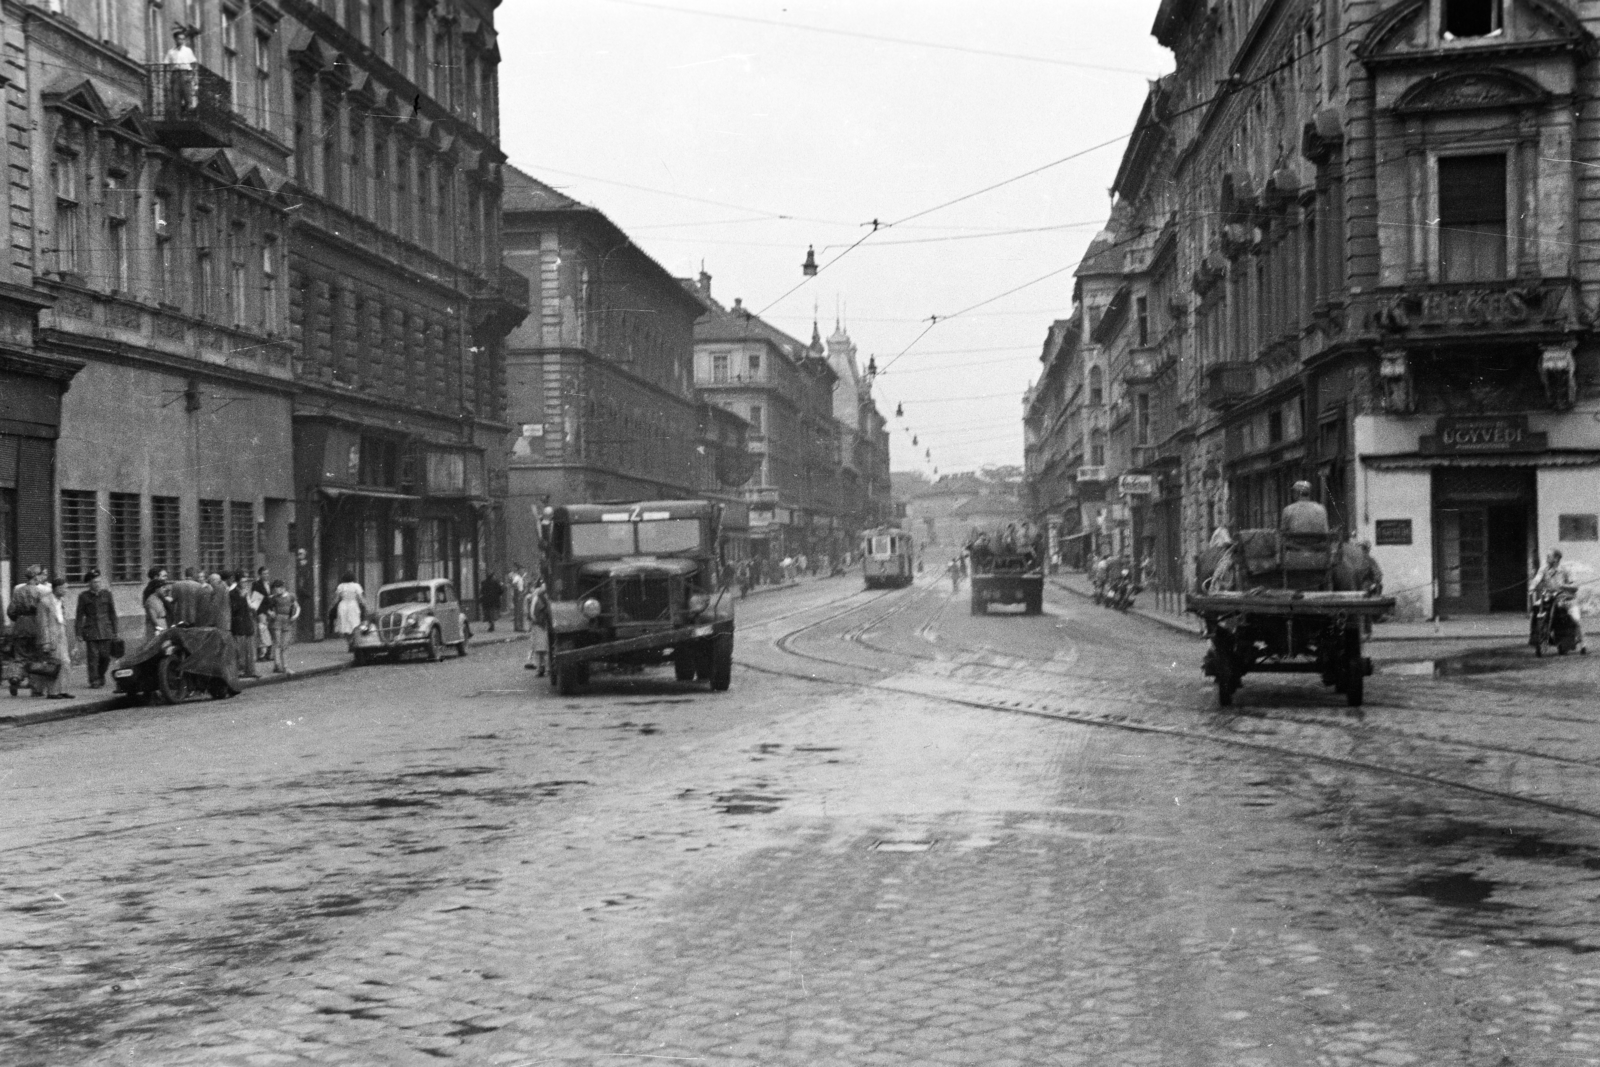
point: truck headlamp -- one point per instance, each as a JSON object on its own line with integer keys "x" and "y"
{"x": 698, "y": 602}
{"x": 590, "y": 608}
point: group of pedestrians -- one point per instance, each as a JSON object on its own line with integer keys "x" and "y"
{"x": 259, "y": 614}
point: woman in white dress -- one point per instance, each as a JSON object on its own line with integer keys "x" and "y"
{"x": 348, "y": 617}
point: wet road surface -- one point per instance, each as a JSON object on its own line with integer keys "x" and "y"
{"x": 907, "y": 835}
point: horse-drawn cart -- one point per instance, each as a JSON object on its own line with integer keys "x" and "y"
{"x": 1283, "y": 604}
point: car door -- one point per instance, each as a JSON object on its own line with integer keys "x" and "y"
{"x": 448, "y": 611}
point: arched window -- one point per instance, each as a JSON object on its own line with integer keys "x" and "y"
{"x": 1097, "y": 392}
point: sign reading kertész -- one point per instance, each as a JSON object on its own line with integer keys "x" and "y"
{"x": 1483, "y": 433}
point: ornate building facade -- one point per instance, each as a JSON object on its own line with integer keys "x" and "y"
{"x": 263, "y": 260}
{"x": 1353, "y": 241}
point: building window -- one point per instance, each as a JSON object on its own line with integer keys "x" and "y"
{"x": 238, "y": 289}
{"x": 302, "y": 136}
{"x": 1472, "y": 218}
{"x": 1141, "y": 418}
{"x": 161, "y": 223}
{"x": 1141, "y": 312}
{"x": 1097, "y": 392}
{"x": 269, "y": 284}
{"x": 397, "y": 33}
{"x": 424, "y": 234}
{"x": 402, "y": 191}
{"x": 263, "y": 101}
{"x": 1097, "y": 448}
{"x": 205, "y": 282}
{"x": 1274, "y": 426}
{"x": 230, "y": 56}
{"x": 719, "y": 367}
{"x": 80, "y": 541}
{"x": 69, "y": 210}
{"x": 421, "y": 71}
{"x": 242, "y": 533}
{"x": 1471, "y": 18}
{"x": 155, "y": 32}
{"x": 380, "y": 177}
{"x": 358, "y": 164}
{"x": 755, "y": 366}
{"x": 165, "y": 527}
{"x": 330, "y": 153}
{"x": 124, "y": 523}
{"x": 755, "y": 419}
{"x": 213, "y": 536}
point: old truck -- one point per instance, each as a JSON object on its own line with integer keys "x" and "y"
{"x": 637, "y": 584}
{"x": 1006, "y": 571}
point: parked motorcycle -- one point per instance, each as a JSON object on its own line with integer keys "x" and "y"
{"x": 1121, "y": 593}
{"x": 182, "y": 662}
{"x": 1552, "y": 622}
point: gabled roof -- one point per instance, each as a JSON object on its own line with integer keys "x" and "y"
{"x": 524, "y": 195}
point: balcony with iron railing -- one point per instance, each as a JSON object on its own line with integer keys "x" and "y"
{"x": 190, "y": 107}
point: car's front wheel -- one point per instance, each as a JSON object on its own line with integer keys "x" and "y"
{"x": 435, "y": 645}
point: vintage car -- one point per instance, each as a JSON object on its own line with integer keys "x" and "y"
{"x": 417, "y": 616}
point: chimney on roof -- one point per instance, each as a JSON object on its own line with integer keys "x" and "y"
{"x": 705, "y": 282}
{"x": 738, "y": 303}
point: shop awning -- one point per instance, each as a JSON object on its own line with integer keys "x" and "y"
{"x": 366, "y": 494}
{"x": 1554, "y": 457}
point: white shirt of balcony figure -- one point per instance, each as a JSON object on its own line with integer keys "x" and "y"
{"x": 181, "y": 60}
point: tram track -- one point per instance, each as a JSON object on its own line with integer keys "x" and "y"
{"x": 1032, "y": 704}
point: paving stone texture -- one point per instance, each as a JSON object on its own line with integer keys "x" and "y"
{"x": 428, "y": 863}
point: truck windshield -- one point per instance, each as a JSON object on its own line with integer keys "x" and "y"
{"x": 668, "y": 535}
{"x": 652, "y": 537}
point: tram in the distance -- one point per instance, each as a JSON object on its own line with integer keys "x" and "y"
{"x": 887, "y": 557}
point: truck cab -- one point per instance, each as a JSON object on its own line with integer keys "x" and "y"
{"x": 637, "y": 584}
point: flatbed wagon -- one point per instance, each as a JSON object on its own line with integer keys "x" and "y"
{"x": 1284, "y": 631}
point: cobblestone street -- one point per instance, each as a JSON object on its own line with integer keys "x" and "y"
{"x": 844, "y": 860}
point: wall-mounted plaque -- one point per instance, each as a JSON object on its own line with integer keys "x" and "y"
{"x": 1578, "y": 527}
{"x": 1392, "y": 531}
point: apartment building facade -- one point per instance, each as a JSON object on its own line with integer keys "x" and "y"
{"x": 268, "y": 272}
{"x": 1367, "y": 269}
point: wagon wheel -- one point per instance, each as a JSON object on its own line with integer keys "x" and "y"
{"x": 1355, "y": 669}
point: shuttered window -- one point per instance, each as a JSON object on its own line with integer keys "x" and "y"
{"x": 80, "y": 543}
{"x": 126, "y": 564}
{"x": 213, "y": 537}
{"x": 165, "y": 533}
{"x": 1472, "y": 218}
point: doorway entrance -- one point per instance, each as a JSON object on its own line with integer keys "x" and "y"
{"x": 1483, "y": 522}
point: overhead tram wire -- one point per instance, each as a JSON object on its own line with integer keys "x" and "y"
{"x": 885, "y": 39}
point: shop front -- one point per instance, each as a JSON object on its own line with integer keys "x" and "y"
{"x": 31, "y": 387}
{"x": 1461, "y": 509}
{"x": 385, "y": 508}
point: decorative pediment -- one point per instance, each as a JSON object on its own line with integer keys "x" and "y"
{"x": 252, "y": 179}
{"x": 1404, "y": 34}
{"x": 133, "y": 124}
{"x": 1471, "y": 90}
{"x": 214, "y": 163}
{"x": 75, "y": 93}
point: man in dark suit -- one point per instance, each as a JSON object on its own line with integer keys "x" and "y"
{"x": 242, "y": 625}
{"x": 96, "y": 626}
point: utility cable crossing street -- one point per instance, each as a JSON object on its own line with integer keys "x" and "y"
{"x": 908, "y": 834}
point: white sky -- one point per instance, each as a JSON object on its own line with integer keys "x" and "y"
{"x": 832, "y": 130}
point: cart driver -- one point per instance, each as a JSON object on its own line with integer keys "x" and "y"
{"x": 1304, "y": 515}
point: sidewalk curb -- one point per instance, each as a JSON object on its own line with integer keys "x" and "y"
{"x": 117, "y": 703}
{"x": 1171, "y": 624}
